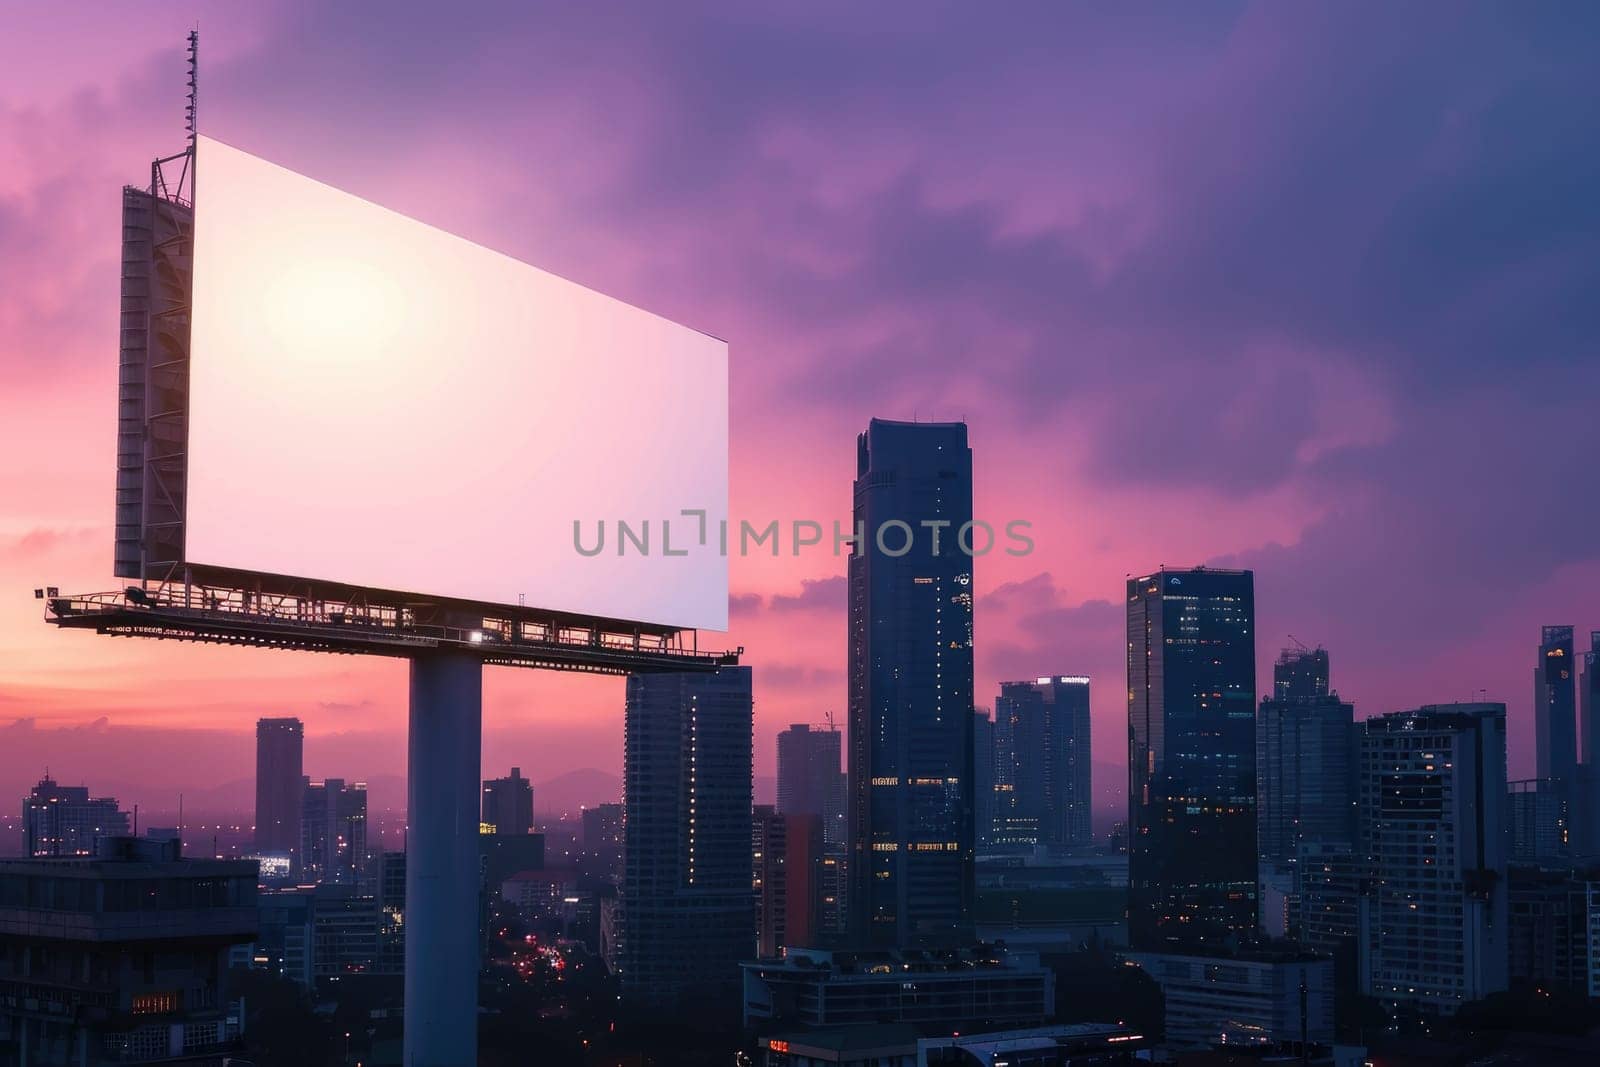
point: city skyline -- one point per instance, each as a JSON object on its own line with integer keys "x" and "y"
{"x": 1171, "y": 343}
{"x": 1354, "y": 488}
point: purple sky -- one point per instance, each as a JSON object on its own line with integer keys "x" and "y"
{"x": 1307, "y": 289}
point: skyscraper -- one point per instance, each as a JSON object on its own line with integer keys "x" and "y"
{"x": 688, "y": 910}
{"x": 1192, "y": 768}
{"x": 811, "y": 780}
{"x": 64, "y": 820}
{"x": 280, "y": 785}
{"x": 1555, "y": 721}
{"x": 911, "y": 861}
{"x": 1041, "y": 734}
{"x": 508, "y": 804}
{"x": 333, "y": 831}
{"x": 1434, "y": 921}
{"x": 1305, "y": 761}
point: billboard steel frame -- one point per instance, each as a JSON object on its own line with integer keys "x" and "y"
{"x": 446, "y": 641}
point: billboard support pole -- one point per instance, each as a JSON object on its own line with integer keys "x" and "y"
{"x": 442, "y": 864}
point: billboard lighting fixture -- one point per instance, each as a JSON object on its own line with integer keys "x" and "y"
{"x": 476, "y": 637}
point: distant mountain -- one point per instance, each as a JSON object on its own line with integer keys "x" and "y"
{"x": 235, "y": 795}
{"x": 582, "y": 788}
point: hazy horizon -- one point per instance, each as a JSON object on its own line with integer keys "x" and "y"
{"x": 1307, "y": 299}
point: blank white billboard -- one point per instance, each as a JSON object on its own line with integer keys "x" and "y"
{"x": 374, "y": 401}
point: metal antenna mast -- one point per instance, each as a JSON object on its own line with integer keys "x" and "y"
{"x": 194, "y": 73}
{"x": 184, "y": 184}
{"x": 190, "y": 110}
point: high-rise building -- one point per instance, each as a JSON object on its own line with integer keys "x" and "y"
{"x": 769, "y": 847}
{"x": 1548, "y": 927}
{"x": 787, "y": 850}
{"x": 392, "y": 913}
{"x": 1434, "y": 917}
{"x": 64, "y": 820}
{"x": 811, "y": 780}
{"x": 833, "y": 918}
{"x": 1192, "y": 781}
{"x": 333, "y": 831}
{"x": 1041, "y": 740}
{"x": 912, "y": 844}
{"x": 1537, "y": 820}
{"x": 345, "y": 929}
{"x": 1555, "y": 712}
{"x": 508, "y": 804}
{"x": 280, "y": 785}
{"x": 983, "y": 778}
{"x": 1305, "y": 761}
{"x": 1591, "y": 701}
{"x": 1301, "y": 674}
{"x": 1584, "y": 801}
{"x": 1327, "y": 917}
{"x": 688, "y": 913}
{"x": 601, "y": 855}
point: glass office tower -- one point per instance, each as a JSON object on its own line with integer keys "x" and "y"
{"x": 1041, "y": 731}
{"x": 1192, "y": 766}
{"x": 911, "y": 804}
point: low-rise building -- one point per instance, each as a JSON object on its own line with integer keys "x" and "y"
{"x": 903, "y": 1045}
{"x": 122, "y": 956}
{"x": 983, "y": 987}
{"x": 286, "y": 942}
{"x": 1247, "y": 999}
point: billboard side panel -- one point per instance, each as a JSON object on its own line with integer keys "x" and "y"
{"x": 152, "y": 385}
